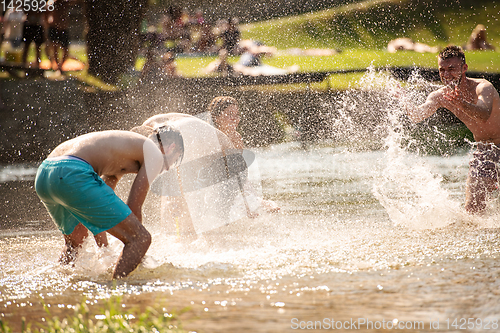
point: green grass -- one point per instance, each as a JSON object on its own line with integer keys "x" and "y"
{"x": 354, "y": 59}
{"x": 111, "y": 317}
{"x": 361, "y": 30}
{"x": 348, "y": 59}
{"x": 351, "y": 59}
{"x": 371, "y": 24}
{"x": 358, "y": 58}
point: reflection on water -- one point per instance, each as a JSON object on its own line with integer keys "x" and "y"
{"x": 334, "y": 238}
{"x": 376, "y": 234}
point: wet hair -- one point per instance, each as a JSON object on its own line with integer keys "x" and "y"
{"x": 163, "y": 135}
{"x": 219, "y": 104}
{"x": 166, "y": 135}
{"x": 452, "y": 51}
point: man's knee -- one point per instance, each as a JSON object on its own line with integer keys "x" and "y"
{"x": 131, "y": 230}
{"x": 145, "y": 238}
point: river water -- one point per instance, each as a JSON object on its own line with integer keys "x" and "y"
{"x": 368, "y": 239}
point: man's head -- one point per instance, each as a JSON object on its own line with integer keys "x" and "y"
{"x": 452, "y": 65}
{"x": 171, "y": 144}
{"x": 219, "y": 110}
{"x": 168, "y": 139}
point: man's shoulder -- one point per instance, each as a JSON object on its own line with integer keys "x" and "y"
{"x": 483, "y": 85}
{"x": 480, "y": 81}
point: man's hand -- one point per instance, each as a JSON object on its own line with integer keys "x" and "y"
{"x": 454, "y": 99}
{"x": 452, "y": 96}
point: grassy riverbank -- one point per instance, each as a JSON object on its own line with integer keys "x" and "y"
{"x": 361, "y": 31}
{"x": 371, "y": 24}
{"x": 110, "y": 316}
{"x": 481, "y": 61}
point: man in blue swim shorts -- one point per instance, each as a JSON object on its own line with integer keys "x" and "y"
{"x": 77, "y": 180}
{"x": 477, "y": 104}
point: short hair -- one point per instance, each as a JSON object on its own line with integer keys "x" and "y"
{"x": 162, "y": 134}
{"x": 168, "y": 134}
{"x": 219, "y": 104}
{"x": 452, "y": 51}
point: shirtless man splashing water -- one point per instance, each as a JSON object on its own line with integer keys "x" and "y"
{"x": 76, "y": 184}
{"x": 477, "y": 104}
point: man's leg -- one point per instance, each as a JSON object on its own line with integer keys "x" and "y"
{"x": 73, "y": 242}
{"x": 136, "y": 240}
{"x": 49, "y": 48}
{"x": 26, "y": 48}
{"x": 38, "y": 54}
{"x": 475, "y": 193}
{"x": 54, "y": 50}
{"x": 101, "y": 239}
{"x": 65, "y": 54}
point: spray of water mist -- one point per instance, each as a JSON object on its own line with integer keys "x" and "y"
{"x": 411, "y": 193}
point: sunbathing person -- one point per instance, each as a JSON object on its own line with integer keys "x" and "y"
{"x": 250, "y": 62}
{"x": 220, "y": 65}
{"x": 477, "y": 40}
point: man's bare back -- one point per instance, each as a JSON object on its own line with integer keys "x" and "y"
{"x": 110, "y": 153}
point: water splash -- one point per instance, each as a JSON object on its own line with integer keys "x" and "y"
{"x": 411, "y": 193}
{"x": 340, "y": 205}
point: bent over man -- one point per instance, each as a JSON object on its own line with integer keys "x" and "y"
{"x": 76, "y": 184}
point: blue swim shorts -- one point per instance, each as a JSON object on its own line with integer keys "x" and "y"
{"x": 74, "y": 193}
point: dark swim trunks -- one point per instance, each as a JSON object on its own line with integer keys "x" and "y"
{"x": 484, "y": 163}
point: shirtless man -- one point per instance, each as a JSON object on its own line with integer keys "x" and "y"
{"x": 225, "y": 117}
{"x": 211, "y": 142}
{"x": 76, "y": 184}
{"x": 477, "y": 104}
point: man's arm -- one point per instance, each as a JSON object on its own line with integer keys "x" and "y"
{"x": 138, "y": 192}
{"x": 111, "y": 181}
{"x": 151, "y": 167}
{"x": 481, "y": 110}
{"x": 418, "y": 113}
